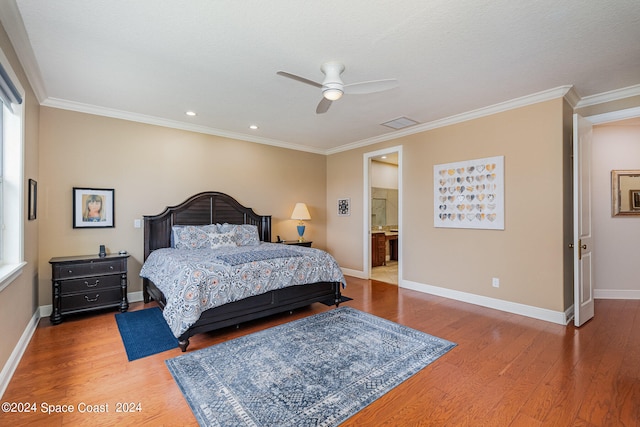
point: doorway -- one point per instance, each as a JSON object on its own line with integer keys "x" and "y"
{"x": 383, "y": 215}
{"x": 602, "y": 159}
{"x": 616, "y": 145}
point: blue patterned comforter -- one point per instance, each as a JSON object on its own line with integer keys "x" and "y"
{"x": 193, "y": 281}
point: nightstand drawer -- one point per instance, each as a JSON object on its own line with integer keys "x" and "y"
{"x": 86, "y": 269}
{"x": 78, "y": 302}
{"x": 88, "y": 284}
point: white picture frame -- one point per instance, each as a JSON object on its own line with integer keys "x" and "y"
{"x": 469, "y": 194}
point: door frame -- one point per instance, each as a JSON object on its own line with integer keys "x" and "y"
{"x": 594, "y": 119}
{"x": 366, "y": 209}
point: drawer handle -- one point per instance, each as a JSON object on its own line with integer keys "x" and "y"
{"x": 90, "y": 285}
{"x": 70, "y": 271}
{"x": 111, "y": 267}
{"x": 92, "y": 299}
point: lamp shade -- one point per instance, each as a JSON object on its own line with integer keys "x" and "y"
{"x": 300, "y": 212}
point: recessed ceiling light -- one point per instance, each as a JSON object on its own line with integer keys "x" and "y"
{"x": 253, "y": 127}
{"x": 190, "y": 113}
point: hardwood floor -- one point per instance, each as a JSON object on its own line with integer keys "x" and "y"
{"x": 507, "y": 370}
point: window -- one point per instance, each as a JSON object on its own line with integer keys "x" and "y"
{"x": 11, "y": 174}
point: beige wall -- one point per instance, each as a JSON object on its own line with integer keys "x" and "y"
{"x": 615, "y": 146}
{"x": 528, "y": 256}
{"x": 18, "y": 301}
{"x": 151, "y": 167}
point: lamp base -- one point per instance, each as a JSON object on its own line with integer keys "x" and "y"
{"x": 301, "y": 233}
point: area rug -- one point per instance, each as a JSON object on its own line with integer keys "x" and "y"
{"x": 145, "y": 332}
{"x": 315, "y": 371}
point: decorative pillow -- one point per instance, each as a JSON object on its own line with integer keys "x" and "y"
{"x": 192, "y": 236}
{"x": 219, "y": 240}
{"x": 246, "y": 234}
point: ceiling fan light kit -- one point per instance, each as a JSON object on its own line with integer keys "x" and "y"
{"x": 332, "y": 94}
{"x": 332, "y": 86}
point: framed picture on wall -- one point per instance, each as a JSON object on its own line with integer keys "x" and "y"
{"x": 344, "y": 207}
{"x": 93, "y": 208}
{"x": 469, "y": 194}
{"x": 635, "y": 200}
{"x": 33, "y": 200}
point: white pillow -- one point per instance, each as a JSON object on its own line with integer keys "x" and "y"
{"x": 220, "y": 240}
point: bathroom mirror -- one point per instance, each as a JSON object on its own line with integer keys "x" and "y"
{"x": 625, "y": 192}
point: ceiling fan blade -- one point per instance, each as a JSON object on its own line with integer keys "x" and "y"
{"x": 370, "y": 86}
{"x": 298, "y": 78}
{"x": 323, "y": 106}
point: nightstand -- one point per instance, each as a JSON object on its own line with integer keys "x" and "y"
{"x": 297, "y": 243}
{"x": 86, "y": 283}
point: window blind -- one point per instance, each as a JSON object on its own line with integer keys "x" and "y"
{"x": 8, "y": 91}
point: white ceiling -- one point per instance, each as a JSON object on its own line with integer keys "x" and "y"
{"x": 152, "y": 60}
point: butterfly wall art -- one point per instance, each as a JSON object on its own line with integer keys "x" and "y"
{"x": 469, "y": 194}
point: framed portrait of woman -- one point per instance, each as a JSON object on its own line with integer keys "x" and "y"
{"x": 93, "y": 207}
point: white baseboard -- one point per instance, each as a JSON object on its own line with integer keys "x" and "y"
{"x": 616, "y": 294}
{"x": 46, "y": 310}
{"x": 135, "y": 296}
{"x": 16, "y": 355}
{"x": 354, "y": 273}
{"x": 559, "y": 317}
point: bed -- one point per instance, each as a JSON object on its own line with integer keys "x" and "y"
{"x": 220, "y": 212}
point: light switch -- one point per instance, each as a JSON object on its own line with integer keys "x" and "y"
{"x": 137, "y": 223}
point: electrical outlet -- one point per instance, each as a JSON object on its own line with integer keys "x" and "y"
{"x": 495, "y": 282}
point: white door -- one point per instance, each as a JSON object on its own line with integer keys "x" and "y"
{"x": 582, "y": 232}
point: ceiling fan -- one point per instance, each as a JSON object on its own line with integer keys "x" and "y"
{"x": 333, "y": 88}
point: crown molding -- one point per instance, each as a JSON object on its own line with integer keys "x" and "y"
{"x": 566, "y": 91}
{"x": 572, "y": 97}
{"x": 614, "y": 116}
{"x": 612, "y": 95}
{"x": 174, "y": 124}
{"x": 558, "y": 92}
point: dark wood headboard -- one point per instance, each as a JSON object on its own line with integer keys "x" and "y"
{"x": 209, "y": 207}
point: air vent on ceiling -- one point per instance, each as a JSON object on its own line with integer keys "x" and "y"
{"x": 400, "y": 123}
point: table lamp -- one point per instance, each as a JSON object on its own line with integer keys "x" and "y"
{"x": 301, "y": 213}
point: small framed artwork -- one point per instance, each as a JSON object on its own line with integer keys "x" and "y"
{"x": 344, "y": 207}
{"x": 635, "y": 200}
{"x": 33, "y": 200}
{"x": 93, "y": 208}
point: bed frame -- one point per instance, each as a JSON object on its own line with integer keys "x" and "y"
{"x": 212, "y": 207}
